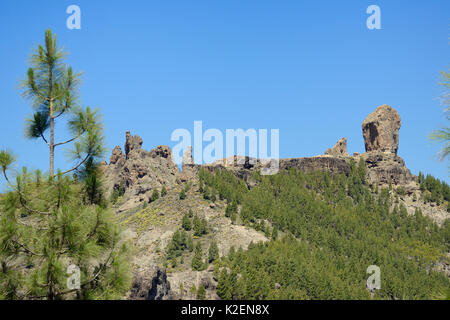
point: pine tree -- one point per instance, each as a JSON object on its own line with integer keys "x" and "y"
{"x": 155, "y": 195}
{"x": 197, "y": 260}
{"x": 201, "y": 293}
{"x": 52, "y": 88}
{"x": 189, "y": 243}
{"x": 193, "y": 290}
{"x": 213, "y": 253}
{"x": 200, "y": 226}
{"x": 53, "y": 223}
{"x": 224, "y": 286}
{"x": 49, "y": 225}
{"x": 91, "y": 177}
{"x": 186, "y": 222}
{"x": 163, "y": 191}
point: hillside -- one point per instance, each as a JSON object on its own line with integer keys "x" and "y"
{"x": 320, "y": 222}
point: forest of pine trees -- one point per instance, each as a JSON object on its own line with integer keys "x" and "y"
{"x": 328, "y": 230}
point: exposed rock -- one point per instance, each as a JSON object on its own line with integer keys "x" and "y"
{"x": 187, "y": 157}
{"x": 207, "y": 282}
{"x": 160, "y": 286}
{"x": 380, "y": 130}
{"x": 139, "y": 171}
{"x": 189, "y": 169}
{"x": 385, "y": 168}
{"x": 307, "y": 165}
{"x": 339, "y": 149}
{"x": 139, "y": 288}
{"x": 132, "y": 143}
{"x": 117, "y": 156}
{"x": 153, "y": 287}
{"x": 161, "y": 151}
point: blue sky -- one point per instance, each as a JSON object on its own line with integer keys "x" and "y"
{"x": 309, "y": 68}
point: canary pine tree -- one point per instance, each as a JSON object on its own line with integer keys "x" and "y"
{"x": 54, "y": 224}
{"x": 46, "y": 226}
{"x": 52, "y": 87}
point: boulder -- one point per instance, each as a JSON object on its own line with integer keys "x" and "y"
{"x": 380, "y": 130}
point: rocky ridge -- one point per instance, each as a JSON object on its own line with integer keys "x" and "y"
{"x": 152, "y": 223}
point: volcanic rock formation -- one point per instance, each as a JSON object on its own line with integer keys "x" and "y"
{"x": 339, "y": 149}
{"x": 380, "y": 130}
{"x": 139, "y": 171}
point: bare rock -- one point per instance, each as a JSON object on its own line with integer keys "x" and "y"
{"x": 151, "y": 287}
{"x": 132, "y": 143}
{"x": 339, "y": 149}
{"x": 160, "y": 286}
{"x": 207, "y": 282}
{"x": 380, "y": 130}
{"x": 187, "y": 157}
{"x": 161, "y": 151}
{"x": 117, "y": 156}
{"x": 384, "y": 168}
{"x": 329, "y": 164}
{"x": 139, "y": 171}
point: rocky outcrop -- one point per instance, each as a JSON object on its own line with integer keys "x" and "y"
{"x": 139, "y": 171}
{"x": 117, "y": 157}
{"x": 187, "y": 158}
{"x": 381, "y": 140}
{"x": 162, "y": 152}
{"x": 339, "y": 149}
{"x": 154, "y": 287}
{"x": 160, "y": 286}
{"x": 386, "y": 168}
{"x": 307, "y": 165}
{"x": 188, "y": 167}
{"x": 132, "y": 143}
{"x": 380, "y": 130}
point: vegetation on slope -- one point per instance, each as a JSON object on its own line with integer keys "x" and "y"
{"x": 334, "y": 228}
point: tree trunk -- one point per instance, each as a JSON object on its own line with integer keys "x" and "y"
{"x": 52, "y": 142}
{"x": 52, "y": 121}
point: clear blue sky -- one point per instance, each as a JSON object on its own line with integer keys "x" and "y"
{"x": 309, "y": 68}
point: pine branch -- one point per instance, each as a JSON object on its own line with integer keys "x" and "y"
{"x": 22, "y": 198}
{"x": 78, "y": 165}
{"x": 42, "y": 136}
{"x": 70, "y": 140}
{"x": 26, "y": 249}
